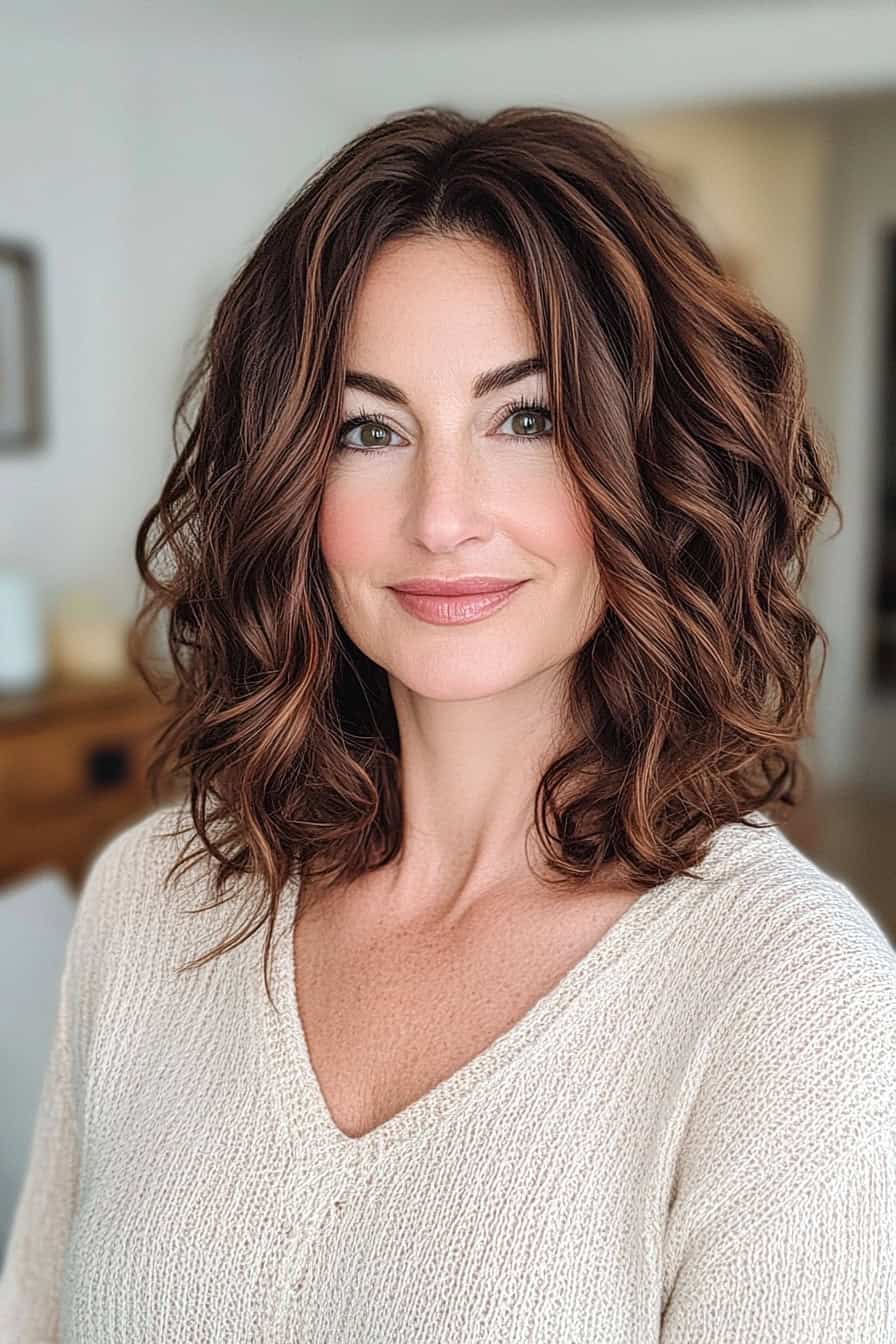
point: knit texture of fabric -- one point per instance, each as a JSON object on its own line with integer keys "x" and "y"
{"x": 690, "y": 1139}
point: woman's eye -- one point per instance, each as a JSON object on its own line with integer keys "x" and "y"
{"x": 375, "y": 430}
{"x": 525, "y": 413}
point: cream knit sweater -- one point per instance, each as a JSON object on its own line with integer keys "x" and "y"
{"x": 690, "y": 1139}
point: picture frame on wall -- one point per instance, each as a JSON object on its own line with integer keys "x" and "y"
{"x": 22, "y": 387}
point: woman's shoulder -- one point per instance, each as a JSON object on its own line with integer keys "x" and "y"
{"x": 785, "y": 1101}
{"x": 119, "y": 902}
{"x": 777, "y": 902}
{"x": 801, "y": 1038}
{"x": 125, "y": 878}
{"x": 135, "y": 853}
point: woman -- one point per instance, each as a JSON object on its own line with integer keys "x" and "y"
{"x": 635, "y": 1081}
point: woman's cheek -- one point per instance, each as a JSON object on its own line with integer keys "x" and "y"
{"x": 350, "y": 531}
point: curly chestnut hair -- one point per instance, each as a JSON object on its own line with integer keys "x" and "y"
{"x": 680, "y": 416}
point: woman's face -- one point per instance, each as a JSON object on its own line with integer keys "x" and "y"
{"x": 454, "y": 484}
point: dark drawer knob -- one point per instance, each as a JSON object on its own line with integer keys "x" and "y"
{"x": 107, "y": 766}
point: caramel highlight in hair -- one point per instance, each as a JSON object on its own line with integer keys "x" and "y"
{"x": 681, "y": 422}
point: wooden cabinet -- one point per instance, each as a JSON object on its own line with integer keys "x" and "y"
{"x": 73, "y": 771}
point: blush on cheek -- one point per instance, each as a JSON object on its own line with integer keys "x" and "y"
{"x": 350, "y": 532}
{"x": 555, "y": 530}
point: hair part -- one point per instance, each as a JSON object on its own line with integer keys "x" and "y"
{"x": 682, "y": 428}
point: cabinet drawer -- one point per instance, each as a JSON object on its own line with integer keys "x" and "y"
{"x": 43, "y": 769}
{"x": 74, "y": 766}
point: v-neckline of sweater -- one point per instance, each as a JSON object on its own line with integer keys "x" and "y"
{"x": 306, "y": 1111}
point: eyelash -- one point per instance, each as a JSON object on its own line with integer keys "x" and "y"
{"x": 364, "y": 417}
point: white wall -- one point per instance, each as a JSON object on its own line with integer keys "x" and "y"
{"x": 67, "y": 171}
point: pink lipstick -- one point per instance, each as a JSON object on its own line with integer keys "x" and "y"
{"x": 455, "y": 609}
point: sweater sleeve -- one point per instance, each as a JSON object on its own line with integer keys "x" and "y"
{"x": 33, "y": 1263}
{"x": 818, "y": 1268}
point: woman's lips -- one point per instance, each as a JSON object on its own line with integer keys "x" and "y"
{"x": 459, "y": 610}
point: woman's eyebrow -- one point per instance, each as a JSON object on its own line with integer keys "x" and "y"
{"x": 486, "y": 382}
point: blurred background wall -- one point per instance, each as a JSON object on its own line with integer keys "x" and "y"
{"x": 143, "y": 152}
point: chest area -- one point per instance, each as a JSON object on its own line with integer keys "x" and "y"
{"x": 388, "y": 1015}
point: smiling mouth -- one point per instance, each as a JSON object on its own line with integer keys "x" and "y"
{"x": 473, "y": 584}
{"x": 457, "y": 608}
